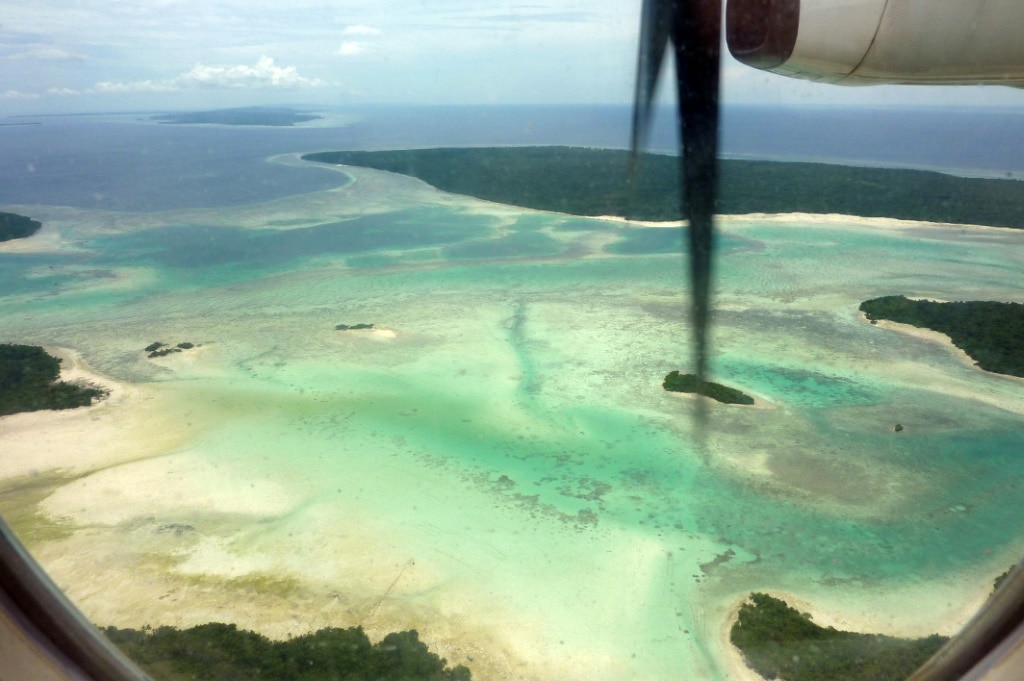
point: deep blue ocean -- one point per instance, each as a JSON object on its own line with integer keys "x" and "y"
{"x": 127, "y": 163}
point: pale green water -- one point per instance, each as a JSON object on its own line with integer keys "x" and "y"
{"x": 513, "y": 437}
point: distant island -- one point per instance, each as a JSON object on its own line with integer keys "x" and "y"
{"x": 215, "y": 651}
{"x": 991, "y": 333}
{"x": 592, "y": 182}
{"x": 29, "y": 382}
{"x": 14, "y": 226}
{"x": 780, "y": 643}
{"x": 688, "y": 383}
{"x": 253, "y": 115}
{"x": 353, "y": 327}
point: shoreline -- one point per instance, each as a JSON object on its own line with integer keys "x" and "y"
{"x": 138, "y": 530}
{"x": 949, "y": 624}
{"x": 937, "y": 338}
{"x": 40, "y": 441}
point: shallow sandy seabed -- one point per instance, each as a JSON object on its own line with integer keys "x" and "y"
{"x": 157, "y": 532}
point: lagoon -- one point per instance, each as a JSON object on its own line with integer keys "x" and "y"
{"x": 496, "y": 463}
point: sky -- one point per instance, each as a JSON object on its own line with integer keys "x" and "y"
{"x": 65, "y": 56}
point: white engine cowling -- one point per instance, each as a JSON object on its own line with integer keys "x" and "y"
{"x": 881, "y": 41}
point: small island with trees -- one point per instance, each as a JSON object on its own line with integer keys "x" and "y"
{"x": 14, "y": 226}
{"x": 991, "y": 333}
{"x": 215, "y": 652}
{"x": 688, "y": 383}
{"x": 29, "y": 382}
{"x": 354, "y": 327}
{"x": 778, "y": 642}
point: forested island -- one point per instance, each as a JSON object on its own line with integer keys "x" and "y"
{"x": 991, "y": 333}
{"x": 593, "y": 182}
{"x": 779, "y": 642}
{"x": 251, "y": 115}
{"x": 14, "y": 226}
{"x": 688, "y": 383}
{"x": 222, "y": 652}
{"x": 28, "y": 382}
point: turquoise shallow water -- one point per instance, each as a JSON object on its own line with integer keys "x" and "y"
{"x": 513, "y": 436}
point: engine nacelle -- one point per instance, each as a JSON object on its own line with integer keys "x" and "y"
{"x": 935, "y": 42}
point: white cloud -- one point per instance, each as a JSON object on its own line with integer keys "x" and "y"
{"x": 351, "y": 48}
{"x": 15, "y": 94}
{"x": 359, "y": 29}
{"x": 107, "y": 87}
{"x": 44, "y": 53}
{"x": 62, "y": 91}
{"x": 264, "y": 74}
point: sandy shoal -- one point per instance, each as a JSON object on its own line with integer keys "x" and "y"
{"x": 157, "y": 534}
{"x": 126, "y": 425}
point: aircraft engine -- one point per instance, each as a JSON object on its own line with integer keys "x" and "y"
{"x": 860, "y": 42}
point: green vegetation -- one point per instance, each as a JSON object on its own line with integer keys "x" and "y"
{"x": 14, "y": 226}
{"x": 992, "y": 333}
{"x": 28, "y": 382}
{"x": 779, "y": 642}
{"x": 591, "y": 182}
{"x": 354, "y": 327}
{"x": 252, "y": 115}
{"x": 221, "y": 652}
{"x": 688, "y": 383}
{"x": 998, "y": 581}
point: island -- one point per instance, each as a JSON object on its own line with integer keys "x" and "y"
{"x": 592, "y": 182}
{"x": 14, "y": 226}
{"x": 353, "y": 327}
{"x": 688, "y": 383}
{"x": 250, "y": 115}
{"x": 159, "y": 349}
{"x": 29, "y": 382}
{"x": 778, "y": 642}
{"x": 215, "y": 651}
{"x": 990, "y": 332}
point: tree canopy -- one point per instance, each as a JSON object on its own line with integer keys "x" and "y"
{"x": 779, "y": 642}
{"x": 990, "y": 332}
{"x": 28, "y": 382}
{"x": 585, "y": 181}
{"x": 688, "y": 383}
{"x": 222, "y": 652}
{"x": 14, "y": 226}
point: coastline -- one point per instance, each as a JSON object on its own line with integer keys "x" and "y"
{"x": 40, "y": 441}
{"x": 949, "y": 622}
{"x": 111, "y": 500}
{"x": 936, "y": 337}
{"x": 212, "y": 569}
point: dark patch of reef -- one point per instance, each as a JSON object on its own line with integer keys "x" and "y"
{"x": 159, "y": 349}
